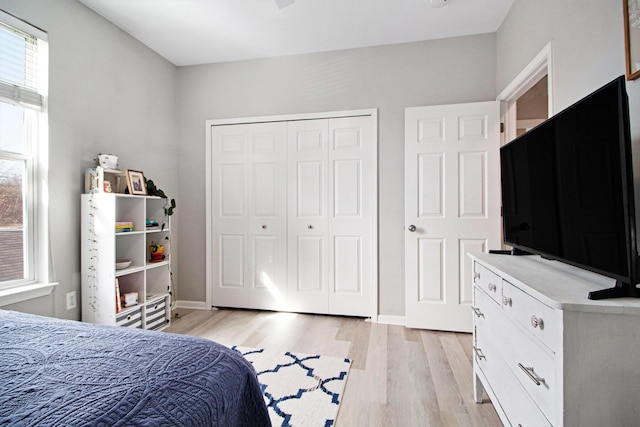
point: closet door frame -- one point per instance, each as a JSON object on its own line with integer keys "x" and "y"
{"x": 210, "y": 225}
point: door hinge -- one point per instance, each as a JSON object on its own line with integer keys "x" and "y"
{"x": 501, "y": 127}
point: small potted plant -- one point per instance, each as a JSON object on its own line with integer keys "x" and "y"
{"x": 156, "y": 250}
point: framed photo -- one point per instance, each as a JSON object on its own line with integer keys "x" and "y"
{"x": 632, "y": 37}
{"x": 136, "y": 183}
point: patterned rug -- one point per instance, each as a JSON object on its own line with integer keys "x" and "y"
{"x": 299, "y": 389}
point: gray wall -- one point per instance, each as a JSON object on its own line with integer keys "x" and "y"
{"x": 588, "y": 43}
{"x": 108, "y": 94}
{"x": 390, "y": 78}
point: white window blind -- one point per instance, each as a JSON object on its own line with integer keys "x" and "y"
{"x": 20, "y": 82}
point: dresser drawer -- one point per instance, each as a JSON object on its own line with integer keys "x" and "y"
{"x": 538, "y": 319}
{"x": 488, "y": 281}
{"x": 130, "y": 318}
{"x": 515, "y": 403}
{"x": 485, "y": 311}
{"x": 530, "y": 362}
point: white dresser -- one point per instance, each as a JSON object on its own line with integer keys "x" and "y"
{"x": 547, "y": 355}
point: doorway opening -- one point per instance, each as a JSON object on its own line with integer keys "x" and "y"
{"x": 528, "y": 100}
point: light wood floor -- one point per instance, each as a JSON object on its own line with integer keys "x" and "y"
{"x": 398, "y": 376}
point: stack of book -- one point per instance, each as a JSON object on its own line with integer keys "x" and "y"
{"x": 124, "y": 226}
{"x": 152, "y": 224}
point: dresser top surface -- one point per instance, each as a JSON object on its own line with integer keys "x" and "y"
{"x": 557, "y": 284}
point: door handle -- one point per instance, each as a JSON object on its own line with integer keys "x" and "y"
{"x": 412, "y": 228}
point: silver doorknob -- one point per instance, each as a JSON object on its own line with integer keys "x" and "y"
{"x": 412, "y": 228}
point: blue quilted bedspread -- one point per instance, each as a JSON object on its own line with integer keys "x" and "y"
{"x": 64, "y": 373}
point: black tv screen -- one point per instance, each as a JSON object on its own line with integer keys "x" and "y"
{"x": 567, "y": 187}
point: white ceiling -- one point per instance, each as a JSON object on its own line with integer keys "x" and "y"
{"x": 189, "y": 32}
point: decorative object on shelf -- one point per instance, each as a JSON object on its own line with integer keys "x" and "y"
{"x": 129, "y": 299}
{"x": 136, "y": 183}
{"x": 155, "y": 191}
{"x": 121, "y": 264}
{"x": 156, "y": 250}
{"x": 93, "y": 180}
{"x": 108, "y": 161}
{"x": 152, "y": 224}
{"x": 107, "y": 187}
{"x": 632, "y": 37}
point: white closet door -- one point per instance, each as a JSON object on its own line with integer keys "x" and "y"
{"x": 330, "y": 216}
{"x": 350, "y": 216}
{"x": 307, "y": 215}
{"x": 249, "y": 213}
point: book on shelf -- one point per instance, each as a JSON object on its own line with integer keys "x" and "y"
{"x": 118, "y": 300}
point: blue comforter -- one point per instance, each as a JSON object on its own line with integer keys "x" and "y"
{"x": 64, "y": 373}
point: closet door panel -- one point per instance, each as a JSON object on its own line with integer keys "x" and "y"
{"x": 307, "y": 215}
{"x": 249, "y": 206}
{"x": 267, "y": 216}
{"x": 350, "y": 220}
{"x": 310, "y": 264}
{"x": 347, "y": 261}
{"x": 229, "y": 172}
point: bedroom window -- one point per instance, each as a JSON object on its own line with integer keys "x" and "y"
{"x": 23, "y": 157}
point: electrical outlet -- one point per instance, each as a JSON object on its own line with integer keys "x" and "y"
{"x": 71, "y": 300}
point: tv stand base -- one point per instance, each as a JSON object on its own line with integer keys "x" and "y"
{"x": 514, "y": 251}
{"x": 618, "y": 291}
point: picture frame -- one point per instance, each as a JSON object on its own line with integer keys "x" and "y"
{"x": 136, "y": 183}
{"x": 631, "y": 10}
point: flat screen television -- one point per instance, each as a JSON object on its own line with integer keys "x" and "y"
{"x": 567, "y": 189}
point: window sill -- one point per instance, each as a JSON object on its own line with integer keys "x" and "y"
{"x": 24, "y": 293}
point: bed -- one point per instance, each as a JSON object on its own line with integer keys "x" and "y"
{"x": 67, "y": 373}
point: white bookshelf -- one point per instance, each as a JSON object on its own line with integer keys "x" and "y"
{"x": 102, "y": 246}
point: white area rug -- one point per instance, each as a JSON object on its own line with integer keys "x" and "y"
{"x": 299, "y": 389}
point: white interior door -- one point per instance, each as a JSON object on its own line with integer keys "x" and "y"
{"x": 249, "y": 212}
{"x": 452, "y": 206}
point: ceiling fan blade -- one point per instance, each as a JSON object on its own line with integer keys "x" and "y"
{"x": 284, "y": 3}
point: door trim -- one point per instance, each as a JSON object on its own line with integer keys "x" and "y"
{"x": 372, "y": 112}
{"x": 540, "y": 65}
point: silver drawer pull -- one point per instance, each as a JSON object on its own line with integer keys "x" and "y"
{"x": 477, "y": 311}
{"x": 537, "y": 322}
{"x": 529, "y": 372}
{"x": 492, "y": 287}
{"x": 476, "y": 275}
{"x": 478, "y": 352}
{"x": 507, "y": 301}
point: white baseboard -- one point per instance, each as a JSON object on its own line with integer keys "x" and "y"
{"x": 192, "y": 305}
{"x": 391, "y": 320}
